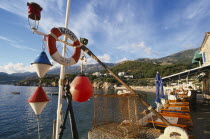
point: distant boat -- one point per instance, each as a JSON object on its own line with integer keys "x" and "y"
{"x": 52, "y": 93}
{"x": 16, "y": 93}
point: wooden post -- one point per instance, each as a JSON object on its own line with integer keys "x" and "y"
{"x": 85, "y": 49}
{"x": 54, "y": 129}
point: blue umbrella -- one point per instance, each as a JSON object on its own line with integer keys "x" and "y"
{"x": 157, "y": 85}
{"x": 161, "y": 89}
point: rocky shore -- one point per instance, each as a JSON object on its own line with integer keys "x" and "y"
{"x": 105, "y": 85}
{"x": 147, "y": 89}
{"x": 51, "y": 84}
{"x": 101, "y": 84}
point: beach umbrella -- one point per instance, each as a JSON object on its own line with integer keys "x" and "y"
{"x": 41, "y": 64}
{"x": 38, "y": 100}
{"x": 81, "y": 88}
{"x": 157, "y": 85}
{"x": 161, "y": 89}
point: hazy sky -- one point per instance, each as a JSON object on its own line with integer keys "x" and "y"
{"x": 117, "y": 30}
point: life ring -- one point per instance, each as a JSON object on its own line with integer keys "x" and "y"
{"x": 170, "y": 129}
{"x": 51, "y": 42}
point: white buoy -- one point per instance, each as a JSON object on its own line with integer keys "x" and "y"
{"x": 41, "y": 64}
{"x": 41, "y": 69}
{"x": 38, "y": 100}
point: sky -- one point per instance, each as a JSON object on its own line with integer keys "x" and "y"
{"x": 117, "y": 30}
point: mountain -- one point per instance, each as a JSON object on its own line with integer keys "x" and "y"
{"x": 182, "y": 57}
{"x": 146, "y": 68}
{"x": 87, "y": 68}
{"x": 16, "y": 77}
{"x": 12, "y": 78}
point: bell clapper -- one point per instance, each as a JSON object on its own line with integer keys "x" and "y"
{"x": 84, "y": 60}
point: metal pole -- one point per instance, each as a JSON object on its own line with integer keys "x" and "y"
{"x": 84, "y": 48}
{"x": 70, "y": 112}
{"x": 62, "y": 74}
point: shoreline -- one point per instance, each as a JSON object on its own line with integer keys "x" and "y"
{"x": 139, "y": 88}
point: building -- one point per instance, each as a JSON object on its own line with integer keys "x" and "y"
{"x": 121, "y": 74}
{"x": 128, "y": 76}
{"x": 202, "y": 72}
{"x": 205, "y": 51}
{"x": 97, "y": 74}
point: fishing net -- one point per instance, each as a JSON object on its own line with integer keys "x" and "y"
{"x": 118, "y": 116}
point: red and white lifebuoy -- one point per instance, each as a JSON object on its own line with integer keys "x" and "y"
{"x": 51, "y": 42}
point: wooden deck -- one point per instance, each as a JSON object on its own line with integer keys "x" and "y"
{"x": 201, "y": 120}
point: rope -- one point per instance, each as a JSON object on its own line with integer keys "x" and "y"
{"x": 38, "y": 127}
{"x": 40, "y": 81}
{"x": 69, "y": 51}
{"x": 43, "y": 46}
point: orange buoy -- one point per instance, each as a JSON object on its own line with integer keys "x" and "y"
{"x": 81, "y": 88}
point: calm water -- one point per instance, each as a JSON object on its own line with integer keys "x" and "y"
{"x": 17, "y": 119}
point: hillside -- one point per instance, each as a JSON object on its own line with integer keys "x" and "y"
{"x": 182, "y": 57}
{"x": 148, "y": 70}
{"x": 12, "y": 78}
{"x": 140, "y": 68}
{"x": 76, "y": 69}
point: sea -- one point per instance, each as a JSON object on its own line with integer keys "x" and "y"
{"x": 18, "y": 121}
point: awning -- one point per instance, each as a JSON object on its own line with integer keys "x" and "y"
{"x": 194, "y": 61}
{"x": 197, "y": 57}
{"x": 187, "y": 73}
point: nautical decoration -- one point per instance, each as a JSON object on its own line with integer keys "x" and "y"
{"x": 51, "y": 41}
{"x": 38, "y": 100}
{"x": 83, "y": 60}
{"x": 174, "y": 129}
{"x": 41, "y": 64}
{"x": 81, "y": 88}
{"x": 34, "y": 13}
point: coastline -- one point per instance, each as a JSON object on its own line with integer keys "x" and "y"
{"x": 146, "y": 89}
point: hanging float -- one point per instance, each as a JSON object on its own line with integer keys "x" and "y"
{"x": 41, "y": 64}
{"x": 81, "y": 88}
{"x": 38, "y": 100}
{"x": 34, "y": 13}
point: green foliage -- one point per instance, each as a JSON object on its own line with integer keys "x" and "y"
{"x": 148, "y": 70}
{"x": 143, "y": 73}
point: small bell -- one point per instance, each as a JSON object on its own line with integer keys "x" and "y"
{"x": 41, "y": 64}
{"x": 81, "y": 88}
{"x": 34, "y": 13}
{"x": 38, "y": 100}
